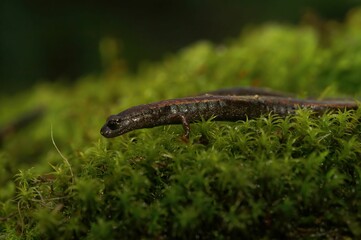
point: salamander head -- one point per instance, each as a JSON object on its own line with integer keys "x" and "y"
{"x": 116, "y": 126}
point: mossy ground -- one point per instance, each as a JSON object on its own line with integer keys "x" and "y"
{"x": 297, "y": 177}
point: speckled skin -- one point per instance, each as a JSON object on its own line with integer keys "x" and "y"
{"x": 223, "y": 108}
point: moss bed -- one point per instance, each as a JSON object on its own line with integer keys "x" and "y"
{"x": 265, "y": 178}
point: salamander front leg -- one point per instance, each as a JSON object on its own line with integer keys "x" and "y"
{"x": 186, "y": 127}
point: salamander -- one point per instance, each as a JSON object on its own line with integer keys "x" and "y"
{"x": 226, "y": 107}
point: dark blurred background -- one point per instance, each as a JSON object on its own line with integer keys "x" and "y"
{"x": 63, "y": 40}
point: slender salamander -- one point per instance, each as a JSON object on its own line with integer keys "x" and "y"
{"x": 223, "y": 105}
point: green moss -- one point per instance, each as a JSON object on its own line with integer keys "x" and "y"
{"x": 297, "y": 177}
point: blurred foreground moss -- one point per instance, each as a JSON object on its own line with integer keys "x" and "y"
{"x": 297, "y": 177}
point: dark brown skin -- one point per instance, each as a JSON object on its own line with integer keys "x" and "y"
{"x": 223, "y": 108}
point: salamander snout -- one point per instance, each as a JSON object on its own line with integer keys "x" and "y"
{"x": 110, "y": 128}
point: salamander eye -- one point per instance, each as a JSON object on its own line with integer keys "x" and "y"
{"x": 113, "y": 124}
